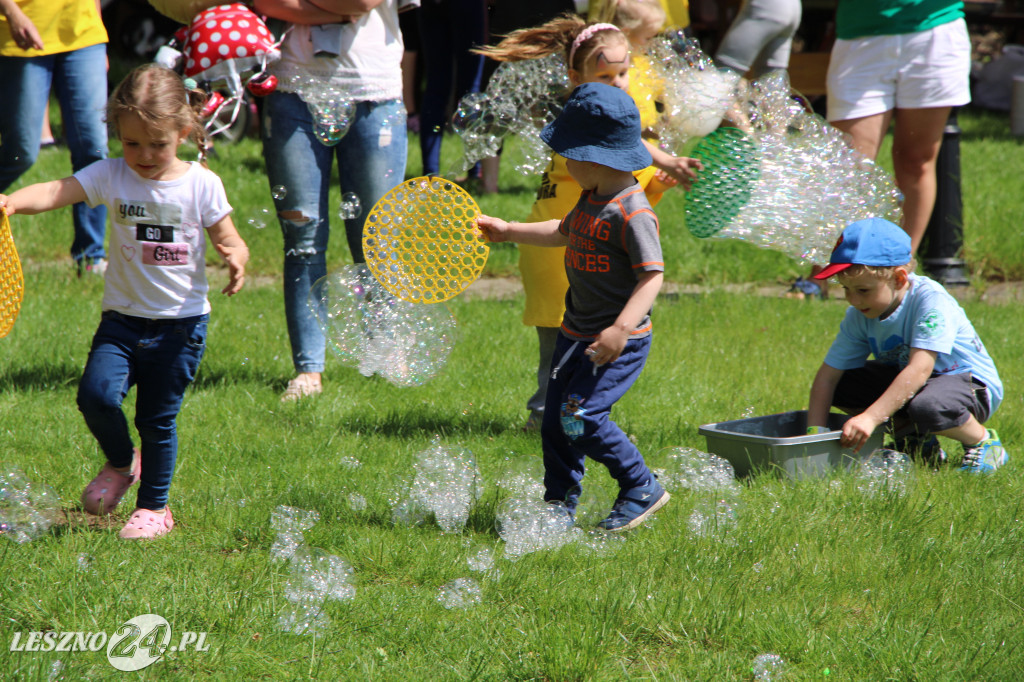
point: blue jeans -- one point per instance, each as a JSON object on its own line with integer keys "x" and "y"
{"x": 80, "y": 80}
{"x": 449, "y": 29}
{"x": 577, "y": 420}
{"x": 160, "y": 358}
{"x": 371, "y": 160}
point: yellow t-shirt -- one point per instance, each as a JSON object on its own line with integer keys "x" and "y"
{"x": 542, "y": 268}
{"x": 677, "y": 13}
{"x": 646, "y": 90}
{"x": 64, "y": 26}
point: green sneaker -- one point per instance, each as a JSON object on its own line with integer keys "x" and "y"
{"x": 986, "y": 456}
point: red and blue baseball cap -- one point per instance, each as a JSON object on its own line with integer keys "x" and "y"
{"x": 601, "y": 124}
{"x": 872, "y": 241}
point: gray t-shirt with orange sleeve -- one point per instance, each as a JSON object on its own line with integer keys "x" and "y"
{"x": 612, "y": 241}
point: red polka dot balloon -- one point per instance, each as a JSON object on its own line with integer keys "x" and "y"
{"x": 226, "y": 41}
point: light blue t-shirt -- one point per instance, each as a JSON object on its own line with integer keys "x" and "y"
{"x": 928, "y": 318}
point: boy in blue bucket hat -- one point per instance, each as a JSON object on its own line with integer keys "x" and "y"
{"x": 931, "y": 374}
{"x": 615, "y": 269}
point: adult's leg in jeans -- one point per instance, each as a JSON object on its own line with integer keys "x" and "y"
{"x": 80, "y": 80}
{"x": 106, "y": 380}
{"x": 27, "y": 82}
{"x": 297, "y": 161}
{"x": 166, "y": 362}
{"x": 371, "y": 160}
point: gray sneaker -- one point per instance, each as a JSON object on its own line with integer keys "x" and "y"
{"x": 91, "y": 266}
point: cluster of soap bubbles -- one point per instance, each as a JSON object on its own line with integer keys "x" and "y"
{"x": 446, "y": 484}
{"x": 314, "y": 577}
{"x": 529, "y": 526}
{"x": 377, "y": 332}
{"x": 521, "y": 98}
{"x": 768, "y": 668}
{"x": 811, "y": 182}
{"x": 885, "y": 472}
{"x": 351, "y": 207}
{"x": 696, "y": 94}
{"x": 27, "y": 509}
{"x": 332, "y": 109}
{"x": 695, "y": 470}
{"x": 289, "y": 524}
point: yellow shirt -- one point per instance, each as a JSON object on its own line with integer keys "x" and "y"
{"x": 64, "y": 26}
{"x": 646, "y": 89}
{"x": 542, "y": 268}
{"x": 677, "y": 13}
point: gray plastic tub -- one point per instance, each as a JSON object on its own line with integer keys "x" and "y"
{"x": 780, "y": 440}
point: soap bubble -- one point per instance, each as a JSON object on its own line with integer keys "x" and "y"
{"x": 483, "y": 560}
{"x": 27, "y": 509}
{"x": 446, "y": 483}
{"x": 373, "y": 330}
{"x": 350, "y": 207}
{"x": 460, "y": 593}
{"x": 523, "y": 477}
{"x": 885, "y": 471}
{"x": 356, "y": 502}
{"x": 692, "y": 469}
{"x": 768, "y": 668}
{"x": 279, "y": 192}
{"x": 260, "y": 218}
{"x": 714, "y": 520}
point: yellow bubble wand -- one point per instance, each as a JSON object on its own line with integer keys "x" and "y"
{"x": 421, "y": 241}
{"x": 12, "y": 285}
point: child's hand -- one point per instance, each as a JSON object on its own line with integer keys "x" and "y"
{"x": 682, "y": 169}
{"x": 6, "y": 205}
{"x": 608, "y": 345}
{"x": 857, "y": 430}
{"x": 236, "y": 257}
{"x": 494, "y": 229}
{"x": 661, "y": 182}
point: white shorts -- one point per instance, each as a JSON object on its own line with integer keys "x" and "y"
{"x": 875, "y": 74}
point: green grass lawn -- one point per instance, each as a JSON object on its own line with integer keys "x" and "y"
{"x": 842, "y": 584}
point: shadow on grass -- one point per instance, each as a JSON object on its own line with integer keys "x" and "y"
{"x": 41, "y": 377}
{"x": 424, "y": 423}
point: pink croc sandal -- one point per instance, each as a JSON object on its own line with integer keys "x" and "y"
{"x": 104, "y": 492}
{"x": 145, "y": 524}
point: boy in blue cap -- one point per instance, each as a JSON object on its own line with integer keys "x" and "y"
{"x": 615, "y": 269}
{"x": 931, "y": 374}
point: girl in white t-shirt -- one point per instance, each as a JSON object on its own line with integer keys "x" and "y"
{"x": 155, "y": 309}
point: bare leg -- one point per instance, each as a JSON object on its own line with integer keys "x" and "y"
{"x": 915, "y": 149}
{"x": 867, "y": 132}
{"x": 971, "y": 432}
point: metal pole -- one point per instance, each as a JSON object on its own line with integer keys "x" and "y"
{"x": 944, "y": 237}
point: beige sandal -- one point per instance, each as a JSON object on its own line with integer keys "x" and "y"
{"x": 300, "y": 387}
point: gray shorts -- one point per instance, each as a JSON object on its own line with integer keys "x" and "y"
{"x": 946, "y": 401}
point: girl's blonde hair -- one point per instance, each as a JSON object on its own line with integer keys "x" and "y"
{"x": 559, "y": 34}
{"x": 160, "y": 98}
{"x": 629, "y": 15}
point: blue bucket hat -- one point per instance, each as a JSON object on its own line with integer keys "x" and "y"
{"x": 600, "y": 123}
{"x": 872, "y": 241}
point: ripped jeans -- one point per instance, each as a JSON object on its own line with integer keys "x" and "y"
{"x": 371, "y": 160}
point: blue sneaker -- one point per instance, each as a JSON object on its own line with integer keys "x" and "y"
{"x": 926, "y": 448}
{"x": 634, "y": 506}
{"x": 986, "y": 456}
